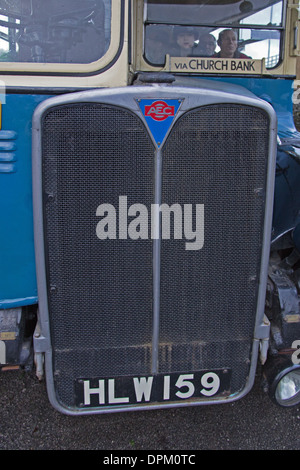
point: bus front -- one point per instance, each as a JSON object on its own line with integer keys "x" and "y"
{"x": 141, "y": 203}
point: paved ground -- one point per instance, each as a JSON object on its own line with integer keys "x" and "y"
{"x": 28, "y": 421}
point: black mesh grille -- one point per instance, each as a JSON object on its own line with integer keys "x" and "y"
{"x": 215, "y": 156}
{"x": 100, "y": 292}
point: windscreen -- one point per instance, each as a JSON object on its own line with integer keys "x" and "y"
{"x": 54, "y": 31}
{"x": 214, "y": 28}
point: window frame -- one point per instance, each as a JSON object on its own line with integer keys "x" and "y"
{"x": 237, "y": 26}
{"x": 78, "y": 69}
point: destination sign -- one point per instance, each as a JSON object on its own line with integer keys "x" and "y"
{"x": 214, "y": 65}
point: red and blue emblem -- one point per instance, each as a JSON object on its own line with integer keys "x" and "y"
{"x": 159, "y": 115}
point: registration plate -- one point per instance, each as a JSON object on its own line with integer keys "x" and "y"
{"x": 162, "y": 388}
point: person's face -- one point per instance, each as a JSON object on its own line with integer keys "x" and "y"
{"x": 209, "y": 45}
{"x": 228, "y": 44}
{"x": 186, "y": 41}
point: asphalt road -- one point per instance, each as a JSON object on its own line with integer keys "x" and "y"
{"x": 28, "y": 422}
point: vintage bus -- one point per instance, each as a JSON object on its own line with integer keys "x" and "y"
{"x": 150, "y": 200}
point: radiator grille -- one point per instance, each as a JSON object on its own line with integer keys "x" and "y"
{"x": 215, "y": 156}
{"x": 100, "y": 293}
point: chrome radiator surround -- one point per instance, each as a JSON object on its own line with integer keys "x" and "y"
{"x": 157, "y": 307}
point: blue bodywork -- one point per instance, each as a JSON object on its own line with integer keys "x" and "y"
{"x": 17, "y": 260}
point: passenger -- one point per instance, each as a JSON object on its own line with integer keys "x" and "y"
{"x": 207, "y": 45}
{"x": 156, "y": 45}
{"x": 185, "y": 42}
{"x": 228, "y": 44}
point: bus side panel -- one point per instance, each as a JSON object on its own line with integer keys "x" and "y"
{"x": 17, "y": 273}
